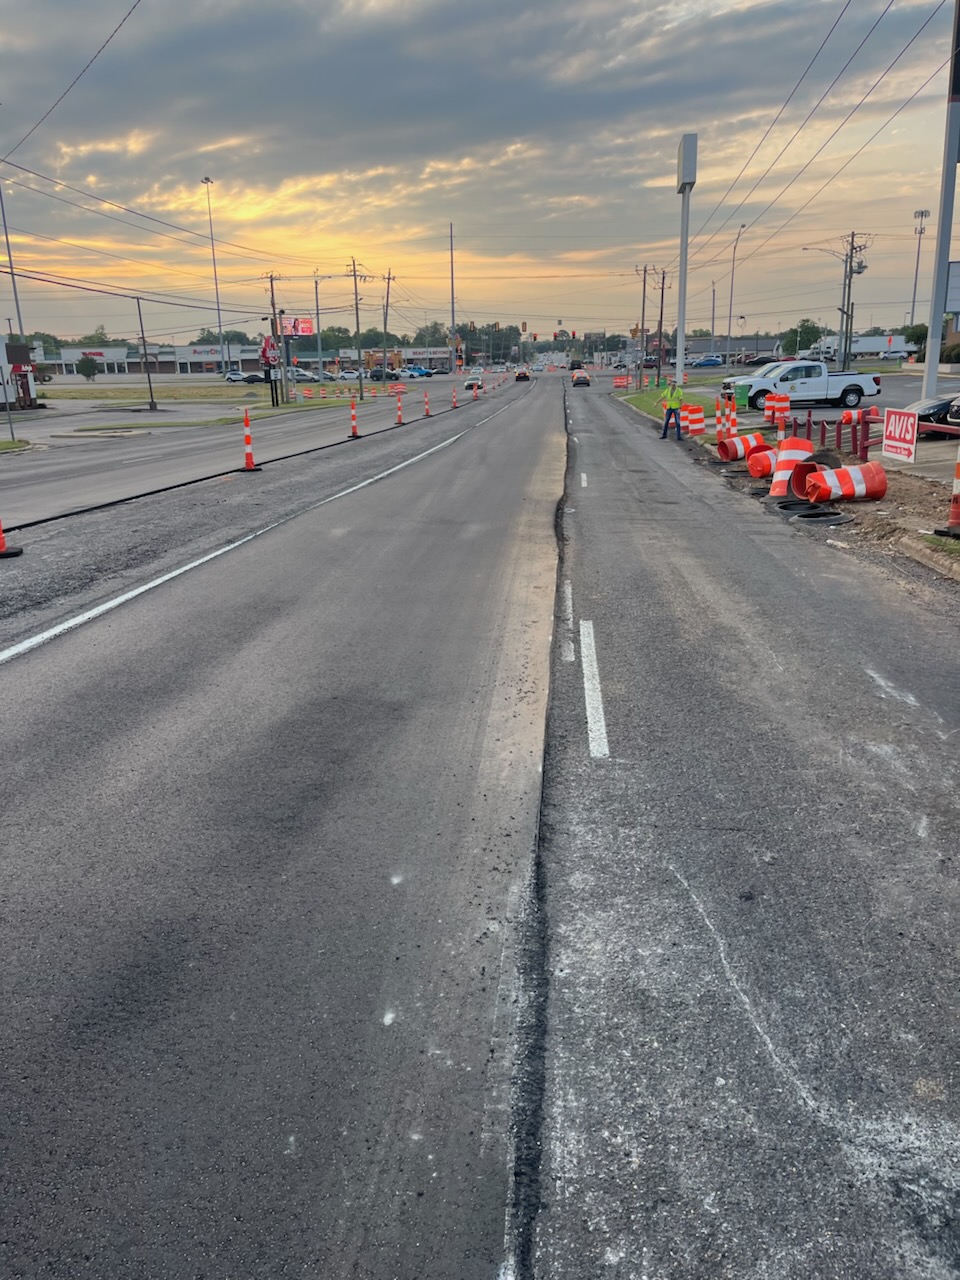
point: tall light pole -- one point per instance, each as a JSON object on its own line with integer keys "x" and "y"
{"x": 733, "y": 267}
{"x": 686, "y": 179}
{"x": 208, "y": 183}
{"x": 918, "y": 231}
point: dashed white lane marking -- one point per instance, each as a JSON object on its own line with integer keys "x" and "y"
{"x": 34, "y": 642}
{"x": 566, "y": 641}
{"x": 583, "y": 479}
{"x": 593, "y": 697}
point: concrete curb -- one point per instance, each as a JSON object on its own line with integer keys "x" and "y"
{"x": 919, "y": 551}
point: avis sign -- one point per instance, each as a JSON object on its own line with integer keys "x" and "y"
{"x": 899, "y": 434}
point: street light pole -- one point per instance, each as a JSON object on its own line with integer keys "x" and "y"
{"x": 733, "y": 267}
{"x": 146, "y": 358}
{"x": 918, "y": 231}
{"x": 208, "y": 183}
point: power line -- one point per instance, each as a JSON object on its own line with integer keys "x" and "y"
{"x": 774, "y": 121}
{"x": 49, "y": 112}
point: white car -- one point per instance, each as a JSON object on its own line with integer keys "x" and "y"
{"x": 474, "y": 380}
{"x": 234, "y": 375}
{"x": 347, "y": 375}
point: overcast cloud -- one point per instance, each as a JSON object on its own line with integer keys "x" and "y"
{"x": 546, "y": 133}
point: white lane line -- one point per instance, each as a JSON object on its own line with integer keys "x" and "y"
{"x": 567, "y": 652}
{"x": 583, "y": 479}
{"x": 596, "y": 722}
{"x": 34, "y": 642}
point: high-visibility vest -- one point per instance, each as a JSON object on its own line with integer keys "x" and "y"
{"x": 674, "y": 397}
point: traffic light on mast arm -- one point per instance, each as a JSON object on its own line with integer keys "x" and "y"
{"x": 554, "y": 336}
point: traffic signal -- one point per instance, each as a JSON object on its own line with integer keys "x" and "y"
{"x": 523, "y": 327}
{"x": 554, "y": 336}
{"x": 534, "y": 337}
{"x": 573, "y": 333}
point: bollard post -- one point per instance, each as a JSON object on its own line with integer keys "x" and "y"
{"x": 399, "y": 410}
{"x": 353, "y": 420}
{"x": 248, "y": 463}
{"x": 426, "y": 404}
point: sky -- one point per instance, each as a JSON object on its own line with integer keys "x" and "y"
{"x": 544, "y": 131}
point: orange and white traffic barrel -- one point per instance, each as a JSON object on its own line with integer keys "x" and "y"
{"x": 793, "y": 450}
{"x": 735, "y": 447}
{"x": 851, "y": 484}
{"x": 762, "y": 462}
{"x": 696, "y": 421}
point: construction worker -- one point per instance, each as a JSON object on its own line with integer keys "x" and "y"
{"x": 672, "y": 403}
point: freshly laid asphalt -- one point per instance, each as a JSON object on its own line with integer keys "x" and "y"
{"x": 309, "y": 970}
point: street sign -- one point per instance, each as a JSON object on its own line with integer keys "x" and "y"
{"x": 899, "y": 434}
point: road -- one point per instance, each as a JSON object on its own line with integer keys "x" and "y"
{"x": 268, "y": 831}
{"x": 310, "y": 970}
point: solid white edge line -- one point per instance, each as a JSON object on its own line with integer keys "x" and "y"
{"x": 34, "y": 642}
{"x": 567, "y": 652}
{"x": 593, "y": 697}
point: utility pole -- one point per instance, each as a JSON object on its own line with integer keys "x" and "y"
{"x": 146, "y": 358}
{"x": 319, "y": 339}
{"x": 643, "y": 321}
{"x": 713, "y": 313}
{"x": 686, "y": 180}
{"x": 278, "y": 339}
{"x": 386, "y": 313}
{"x": 948, "y": 183}
{"x": 918, "y": 231}
{"x": 452, "y": 357}
{"x": 13, "y": 274}
{"x": 663, "y": 285}
{"x": 356, "y": 311}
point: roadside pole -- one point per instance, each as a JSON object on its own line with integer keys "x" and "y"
{"x": 686, "y": 179}
{"x": 948, "y": 182}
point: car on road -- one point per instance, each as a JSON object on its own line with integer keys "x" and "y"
{"x": 474, "y": 380}
{"x": 522, "y": 375}
{"x": 435, "y": 372}
{"x": 537, "y": 368}
{"x": 296, "y": 374}
{"x": 253, "y": 377}
{"x": 376, "y": 375}
{"x": 233, "y": 375}
{"x": 650, "y": 362}
{"x": 706, "y": 362}
{"x": 580, "y": 379}
{"x": 347, "y": 375}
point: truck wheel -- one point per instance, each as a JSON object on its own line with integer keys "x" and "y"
{"x": 758, "y": 400}
{"x": 850, "y": 398}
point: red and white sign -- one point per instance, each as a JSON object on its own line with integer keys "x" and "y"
{"x": 899, "y": 434}
{"x": 270, "y": 352}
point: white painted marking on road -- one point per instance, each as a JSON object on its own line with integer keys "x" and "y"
{"x": 71, "y": 624}
{"x": 593, "y": 695}
{"x": 390, "y": 1017}
{"x": 801, "y": 1089}
{"x": 891, "y": 690}
{"x": 398, "y": 879}
{"x": 583, "y": 479}
{"x": 567, "y": 651}
{"x": 923, "y": 827}
{"x": 291, "y": 1148}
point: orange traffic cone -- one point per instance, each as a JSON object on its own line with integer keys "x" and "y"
{"x": 953, "y": 520}
{"x": 454, "y": 397}
{"x": 248, "y": 463}
{"x": 5, "y": 549}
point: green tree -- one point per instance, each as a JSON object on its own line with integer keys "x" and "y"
{"x": 433, "y": 334}
{"x": 807, "y": 331}
{"x": 50, "y": 342}
{"x": 336, "y": 337}
{"x": 207, "y": 338}
{"x": 370, "y": 339}
{"x": 699, "y": 333}
{"x": 98, "y": 338}
{"x": 915, "y": 334}
{"x": 87, "y": 367}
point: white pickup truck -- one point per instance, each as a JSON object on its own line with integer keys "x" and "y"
{"x": 805, "y": 382}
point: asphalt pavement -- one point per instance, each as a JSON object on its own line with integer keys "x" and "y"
{"x": 750, "y": 863}
{"x": 331, "y": 947}
{"x": 268, "y": 830}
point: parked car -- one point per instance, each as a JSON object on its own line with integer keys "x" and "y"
{"x": 706, "y": 362}
{"x": 937, "y": 415}
{"x": 580, "y": 379}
